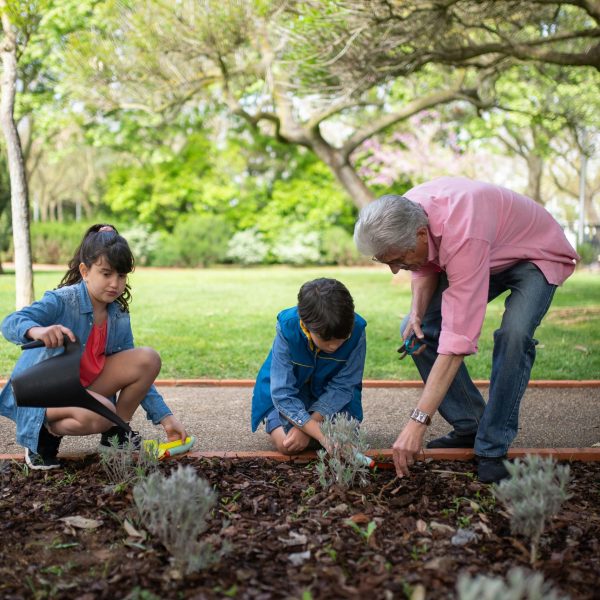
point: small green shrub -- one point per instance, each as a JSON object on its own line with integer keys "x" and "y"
{"x": 143, "y": 243}
{"x": 533, "y": 493}
{"x": 198, "y": 241}
{"x": 248, "y": 247}
{"x": 589, "y": 254}
{"x": 342, "y": 466}
{"x": 519, "y": 585}
{"x": 338, "y": 248}
{"x": 176, "y": 510}
{"x": 297, "y": 245}
{"x": 125, "y": 466}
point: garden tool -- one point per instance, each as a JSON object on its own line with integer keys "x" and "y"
{"x": 371, "y": 462}
{"x": 167, "y": 449}
{"x": 411, "y": 344}
{"x": 54, "y": 383}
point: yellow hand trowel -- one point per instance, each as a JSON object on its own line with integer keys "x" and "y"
{"x": 167, "y": 449}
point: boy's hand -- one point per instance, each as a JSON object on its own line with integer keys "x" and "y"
{"x": 174, "y": 429}
{"x": 53, "y": 336}
{"x": 296, "y": 440}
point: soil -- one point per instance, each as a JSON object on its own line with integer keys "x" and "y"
{"x": 289, "y": 538}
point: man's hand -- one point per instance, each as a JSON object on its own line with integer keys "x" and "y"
{"x": 174, "y": 429}
{"x": 53, "y": 336}
{"x": 296, "y": 440}
{"x": 407, "y": 446}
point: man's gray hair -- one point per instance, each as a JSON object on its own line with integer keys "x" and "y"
{"x": 390, "y": 222}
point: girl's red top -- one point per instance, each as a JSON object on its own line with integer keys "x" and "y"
{"x": 93, "y": 357}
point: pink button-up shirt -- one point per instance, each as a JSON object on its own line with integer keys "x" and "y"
{"x": 477, "y": 229}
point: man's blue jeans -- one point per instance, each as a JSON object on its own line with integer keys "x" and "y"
{"x": 463, "y": 407}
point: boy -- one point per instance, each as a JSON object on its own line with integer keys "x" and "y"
{"x": 314, "y": 369}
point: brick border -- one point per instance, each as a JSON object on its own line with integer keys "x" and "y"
{"x": 385, "y": 454}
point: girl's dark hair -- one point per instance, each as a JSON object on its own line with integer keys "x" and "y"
{"x": 326, "y": 308}
{"x": 101, "y": 240}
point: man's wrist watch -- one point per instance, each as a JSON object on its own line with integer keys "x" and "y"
{"x": 420, "y": 417}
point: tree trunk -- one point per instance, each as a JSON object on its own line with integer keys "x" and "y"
{"x": 535, "y": 170}
{"x": 16, "y": 167}
{"x": 344, "y": 172}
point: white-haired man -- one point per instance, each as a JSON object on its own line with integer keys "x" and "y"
{"x": 466, "y": 242}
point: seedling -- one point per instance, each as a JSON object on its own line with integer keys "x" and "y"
{"x": 365, "y": 533}
{"x": 533, "y": 493}
{"x": 344, "y": 463}
{"x": 125, "y": 465}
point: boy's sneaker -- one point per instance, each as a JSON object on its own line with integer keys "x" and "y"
{"x": 123, "y": 437}
{"x": 47, "y": 451}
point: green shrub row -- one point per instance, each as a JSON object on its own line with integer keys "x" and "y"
{"x": 201, "y": 241}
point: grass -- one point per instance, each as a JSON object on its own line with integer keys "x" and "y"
{"x": 220, "y": 322}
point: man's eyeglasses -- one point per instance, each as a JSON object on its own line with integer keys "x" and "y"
{"x": 391, "y": 263}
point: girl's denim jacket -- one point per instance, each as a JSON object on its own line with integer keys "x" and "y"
{"x": 299, "y": 379}
{"x": 69, "y": 306}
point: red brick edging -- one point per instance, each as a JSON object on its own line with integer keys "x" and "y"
{"x": 385, "y": 454}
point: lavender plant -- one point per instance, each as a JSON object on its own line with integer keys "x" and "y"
{"x": 343, "y": 465}
{"x": 519, "y": 585}
{"x": 533, "y": 494}
{"x": 125, "y": 465}
{"x": 176, "y": 510}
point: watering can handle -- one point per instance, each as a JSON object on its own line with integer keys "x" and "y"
{"x": 34, "y": 344}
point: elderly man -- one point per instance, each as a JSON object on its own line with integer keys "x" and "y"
{"x": 466, "y": 242}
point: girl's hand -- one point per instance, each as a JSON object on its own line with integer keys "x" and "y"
{"x": 53, "y": 336}
{"x": 174, "y": 429}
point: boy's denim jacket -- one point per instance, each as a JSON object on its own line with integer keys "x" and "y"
{"x": 298, "y": 379}
{"x": 69, "y": 306}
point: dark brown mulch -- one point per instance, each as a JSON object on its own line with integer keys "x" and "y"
{"x": 277, "y": 514}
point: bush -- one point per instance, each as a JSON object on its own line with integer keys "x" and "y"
{"x": 143, "y": 243}
{"x": 519, "y": 586}
{"x": 297, "y": 245}
{"x": 533, "y": 493}
{"x": 343, "y": 465}
{"x": 176, "y": 509}
{"x": 53, "y": 242}
{"x": 198, "y": 241}
{"x": 588, "y": 252}
{"x": 248, "y": 247}
{"x": 338, "y": 248}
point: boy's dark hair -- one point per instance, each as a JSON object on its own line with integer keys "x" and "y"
{"x": 326, "y": 308}
{"x": 100, "y": 240}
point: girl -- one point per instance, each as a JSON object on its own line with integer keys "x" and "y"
{"x": 92, "y": 303}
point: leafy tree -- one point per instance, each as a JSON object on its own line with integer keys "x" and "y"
{"x": 241, "y": 58}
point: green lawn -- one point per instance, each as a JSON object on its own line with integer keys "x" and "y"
{"x": 220, "y": 322}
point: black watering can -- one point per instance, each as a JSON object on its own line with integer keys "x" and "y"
{"x": 54, "y": 383}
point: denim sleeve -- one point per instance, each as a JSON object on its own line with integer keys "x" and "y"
{"x": 155, "y": 407}
{"x": 42, "y": 313}
{"x": 340, "y": 390}
{"x": 284, "y": 386}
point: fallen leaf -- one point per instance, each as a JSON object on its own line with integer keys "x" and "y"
{"x": 580, "y": 348}
{"x": 435, "y": 526}
{"x": 133, "y": 532}
{"x": 295, "y": 539}
{"x": 359, "y": 518}
{"x": 297, "y": 558}
{"x": 81, "y": 522}
{"x": 421, "y": 526}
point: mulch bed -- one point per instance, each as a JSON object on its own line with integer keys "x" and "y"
{"x": 289, "y": 538}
